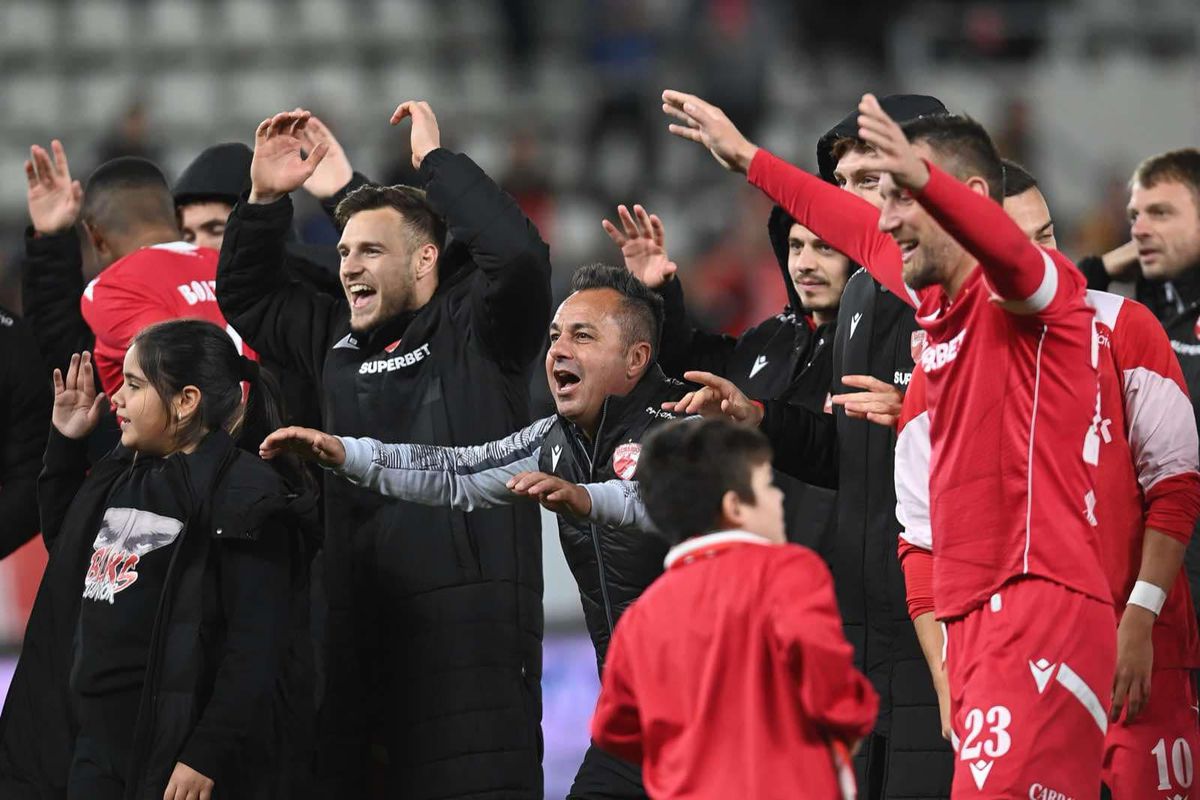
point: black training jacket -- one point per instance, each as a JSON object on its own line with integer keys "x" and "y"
{"x": 229, "y": 678}
{"x": 785, "y": 357}
{"x": 24, "y": 420}
{"x": 435, "y": 620}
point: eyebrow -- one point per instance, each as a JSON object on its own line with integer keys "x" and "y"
{"x": 1045, "y": 227}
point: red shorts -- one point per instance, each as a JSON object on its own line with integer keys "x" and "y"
{"x": 1153, "y": 756}
{"x": 1030, "y": 677}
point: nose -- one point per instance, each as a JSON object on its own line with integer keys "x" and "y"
{"x": 1140, "y": 228}
{"x": 559, "y": 349}
{"x": 350, "y": 266}
{"x": 889, "y": 220}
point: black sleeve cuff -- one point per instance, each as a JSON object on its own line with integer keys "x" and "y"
{"x": 330, "y": 204}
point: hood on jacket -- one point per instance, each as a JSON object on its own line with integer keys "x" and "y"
{"x": 220, "y": 173}
{"x": 900, "y": 107}
{"x": 779, "y": 225}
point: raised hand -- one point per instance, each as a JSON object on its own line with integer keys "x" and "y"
{"x": 279, "y": 166}
{"x": 425, "y": 134}
{"x": 77, "y": 406}
{"x": 879, "y": 402}
{"x": 893, "y": 152}
{"x": 642, "y": 244}
{"x": 53, "y": 198}
{"x": 307, "y": 443}
{"x": 334, "y": 172}
{"x": 705, "y": 123}
{"x": 717, "y": 397}
{"x": 554, "y": 493}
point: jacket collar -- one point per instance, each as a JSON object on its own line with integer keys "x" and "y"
{"x": 644, "y": 393}
{"x": 1184, "y": 291}
{"x": 720, "y": 540}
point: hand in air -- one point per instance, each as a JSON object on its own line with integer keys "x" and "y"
{"x": 642, "y": 242}
{"x": 279, "y": 166}
{"x": 879, "y": 402}
{"x": 425, "y": 134}
{"x": 77, "y": 406}
{"x": 307, "y": 443}
{"x": 893, "y": 152}
{"x": 705, "y": 123}
{"x": 554, "y": 493}
{"x": 334, "y": 171}
{"x": 717, "y": 397}
{"x": 53, "y": 198}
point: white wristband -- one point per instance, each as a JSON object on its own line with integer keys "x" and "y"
{"x": 1148, "y": 596}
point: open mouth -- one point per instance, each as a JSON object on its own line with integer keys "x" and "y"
{"x": 907, "y": 248}
{"x": 564, "y": 381}
{"x": 360, "y": 294}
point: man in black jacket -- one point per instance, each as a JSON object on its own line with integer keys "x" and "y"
{"x": 876, "y": 336}
{"x": 608, "y": 392}
{"x": 1164, "y": 214}
{"x": 787, "y": 357}
{"x": 433, "y": 651}
{"x": 24, "y": 421}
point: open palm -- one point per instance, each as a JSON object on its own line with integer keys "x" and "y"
{"x": 52, "y": 196}
{"x": 77, "y": 406}
{"x": 279, "y": 166}
{"x": 643, "y": 245}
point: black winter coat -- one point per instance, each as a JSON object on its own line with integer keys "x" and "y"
{"x": 228, "y": 682}
{"x": 24, "y": 420}
{"x": 435, "y": 618}
{"x": 785, "y": 357}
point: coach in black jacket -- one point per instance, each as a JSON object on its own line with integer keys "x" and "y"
{"x": 787, "y": 357}
{"x": 24, "y": 421}
{"x": 580, "y": 462}
{"x": 434, "y": 631}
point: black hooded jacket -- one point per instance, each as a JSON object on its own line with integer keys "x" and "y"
{"x": 435, "y": 618}
{"x": 875, "y": 336}
{"x": 228, "y": 686}
{"x": 786, "y": 357}
{"x": 24, "y": 420}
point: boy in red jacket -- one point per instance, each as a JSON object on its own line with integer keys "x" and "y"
{"x": 730, "y": 676}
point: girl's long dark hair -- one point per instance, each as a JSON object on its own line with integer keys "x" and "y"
{"x": 192, "y": 352}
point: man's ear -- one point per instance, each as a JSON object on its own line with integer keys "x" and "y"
{"x": 427, "y": 260}
{"x": 978, "y": 185}
{"x": 639, "y": 359}
{"x": 96, "y": 237}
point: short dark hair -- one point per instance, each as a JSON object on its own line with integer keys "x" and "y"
{"x": 642, "y": 308}
{"x": 423, "y": 223}
{"x": 127, "y": 193}
{"x": 847, "y": 144}
{"x": 686, "y": 467}
{"x": 1017, "y": 179}
{"x": 1175, "y": 166}
{"x": 963, "y": 147}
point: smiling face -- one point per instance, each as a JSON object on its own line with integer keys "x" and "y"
{"x": 1165, "y": 223}
{"x": 853, "y": 174}
{"x": 589, "y": 358}
{"x": 147, "y": 424}
{"x": 1031, "y": 213}
{"x": 818, "y": 272}
{"x": 383, "y": 271}
{"x": 203, "y": 224}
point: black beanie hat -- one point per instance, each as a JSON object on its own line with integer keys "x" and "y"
{"x": 900, "y": 107}
{"x": 220, "y": 173}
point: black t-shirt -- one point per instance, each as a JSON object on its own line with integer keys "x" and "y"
{"x": 124, "y": 583}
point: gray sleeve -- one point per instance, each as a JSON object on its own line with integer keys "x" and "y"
{"x": 463, "y": 478}
{"x": 618, "y": 504}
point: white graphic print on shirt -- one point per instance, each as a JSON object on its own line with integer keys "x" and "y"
{"x": 126, "y": 536}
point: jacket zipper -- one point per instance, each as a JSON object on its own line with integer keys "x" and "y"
{"x": 608, "y": 612}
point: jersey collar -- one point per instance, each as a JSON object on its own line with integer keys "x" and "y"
{"x": 709, "y": 545}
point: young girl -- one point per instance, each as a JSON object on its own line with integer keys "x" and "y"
{"x": 164, "y": 659}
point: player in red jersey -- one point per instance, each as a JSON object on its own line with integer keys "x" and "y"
{"x": 1148, "y": 497}
{"x": 1014, "y": 432}
{"x": 129, "y": 215}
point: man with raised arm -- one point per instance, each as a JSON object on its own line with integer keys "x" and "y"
{"x": 607, "y": 387}
{"x": 433, "y": 637}
{"x": 1015, "y": 436}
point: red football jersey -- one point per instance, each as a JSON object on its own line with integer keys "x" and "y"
{"x": 1012, "y": 387}
{"x": 176, "y": 280}
{"x": 731, "y": 677}
{"x": 1147, "y": 476}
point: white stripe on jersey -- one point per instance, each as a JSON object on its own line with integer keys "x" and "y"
{"x": 1069, "y": 679}
{"x": 1037, "y": 385}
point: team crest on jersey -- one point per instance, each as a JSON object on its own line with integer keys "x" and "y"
{"x": 1196, "y": 328}
{"x": 391, "y": 348}
{"x": 917, "y": 345}
{"x": 625, "y": 460}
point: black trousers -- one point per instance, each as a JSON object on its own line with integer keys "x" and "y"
{"x": 605, "y": 777}
{"x": 100, "y": 762}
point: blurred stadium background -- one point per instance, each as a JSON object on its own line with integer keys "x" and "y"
{"x": 559, "y": 101}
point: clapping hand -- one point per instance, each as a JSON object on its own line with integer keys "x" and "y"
{"x": 77, "y": 406}
{"x": 642, "y": 243}
{"x": 279, "y": 166}
{"x": 53, "y": 198}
